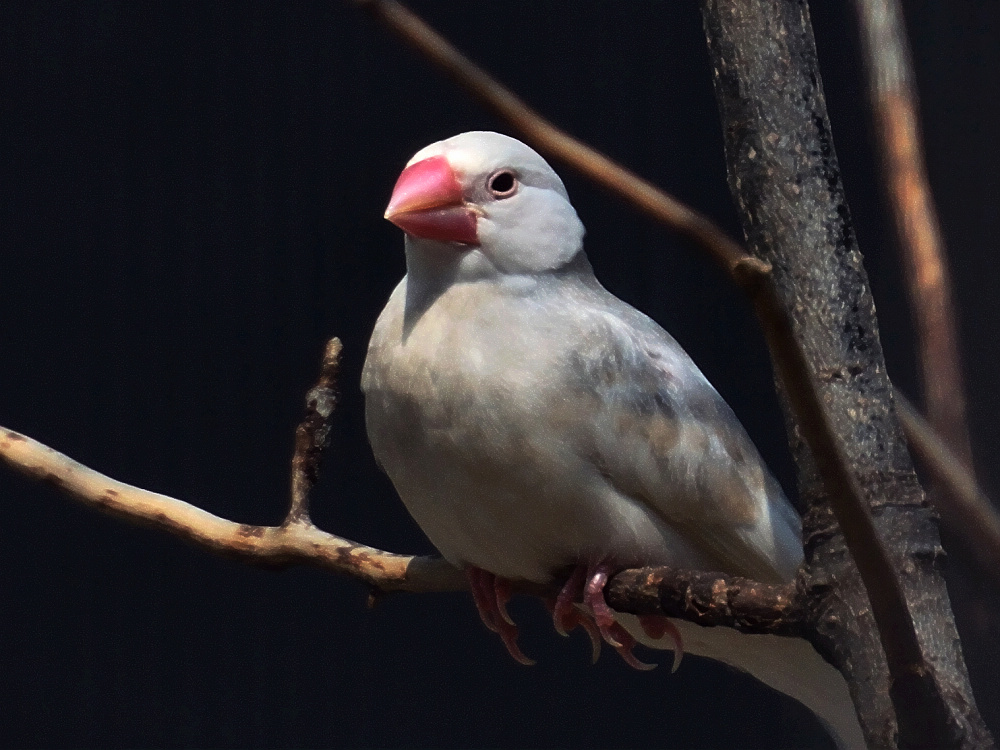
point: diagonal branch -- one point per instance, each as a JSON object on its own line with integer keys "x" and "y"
{"x": 962, "y": 504}
{"x": 290, "y": 543}
{"x": 893, "y": 97}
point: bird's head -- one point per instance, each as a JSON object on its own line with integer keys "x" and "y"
{"x": 482, "y": 203}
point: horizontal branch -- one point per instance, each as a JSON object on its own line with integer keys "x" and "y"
{"x": 703, "y": 598}
{"x": 710, "y": 599}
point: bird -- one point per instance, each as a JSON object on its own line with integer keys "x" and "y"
{"x": 538, "y": 428}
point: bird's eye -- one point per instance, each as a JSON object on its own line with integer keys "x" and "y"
{"x": 502, "y": 184}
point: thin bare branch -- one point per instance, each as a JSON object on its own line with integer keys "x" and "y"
{"x": 959, "y": 500}
{"x": 297, "y": 542}
{"x": 894, "y": 104}
{"x": 705, "y": 598}
{"x": 550, "y": 140}
{"x": 312, "y": 434}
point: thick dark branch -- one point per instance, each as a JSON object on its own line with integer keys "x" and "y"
{"x": 710, "y": 599}
{"x": 893, "y": 97}
{"x": 784, "y": 175}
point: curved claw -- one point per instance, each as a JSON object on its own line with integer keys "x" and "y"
{"x": 570, "y": 620}
{"x": 564, "y": 613}
{"x": 502, "y": 592}
{"x": 593, "y": 632}
{"x": 491, "y": 595}
{"x": 625, "y": 650}
{"x": 483, "y": 597}
{"x": 593, "y": 597}
{"x": 508, "y": 634}
{"x": 656, "y": 627}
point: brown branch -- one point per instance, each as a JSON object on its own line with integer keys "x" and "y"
{"x": 893, "y": 97}
{"x": 962, "y": 504}
{"x": 313, "y": 433}
{"x": 711, "y": 599}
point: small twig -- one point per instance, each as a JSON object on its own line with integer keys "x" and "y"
{"x": 313, "y": 433}
{"x": 960, "y": 501}
{"x": 893, "y": 97}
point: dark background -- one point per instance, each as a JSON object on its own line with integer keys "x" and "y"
{"x": 190, "y": 205}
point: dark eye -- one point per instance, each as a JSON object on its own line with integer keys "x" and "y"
{"x": 502, "y": 184}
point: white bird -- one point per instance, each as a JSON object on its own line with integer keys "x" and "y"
{"x": 540, "y": 429}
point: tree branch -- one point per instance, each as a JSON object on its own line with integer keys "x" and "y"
{"x": 893, "y": 98}
{"x": 961, "y": 502}
{"x": 705, "y": 598}
{"x": 907, "y": 663}
{"x": 313, "y": 433}
{"x": 784, "y": 176}
{"x": 711, "y": 599}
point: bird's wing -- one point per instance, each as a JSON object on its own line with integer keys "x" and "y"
{"x": 663, "y": 436}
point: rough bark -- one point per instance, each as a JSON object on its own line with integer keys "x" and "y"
{"x": 784, "y": 177}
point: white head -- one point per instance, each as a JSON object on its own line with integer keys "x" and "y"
{"x": 483, "y": 204}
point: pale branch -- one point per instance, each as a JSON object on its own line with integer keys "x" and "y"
{"x": 711, "y": 598}
{"x": 894, "y": 103}
{"x": 297, "y": 542}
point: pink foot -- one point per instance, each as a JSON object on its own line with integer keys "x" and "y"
{"x": 491, "y": 595}
{"x": 614, "y": 634}
{"x": 566, "y": 616}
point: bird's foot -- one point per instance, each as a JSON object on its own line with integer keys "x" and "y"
{"x": 566, "y": 615}
{"x": 590, "y": 582}
{"x": 491, "y": 595}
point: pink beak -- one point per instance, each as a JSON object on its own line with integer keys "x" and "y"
{"x": 427, "y": 202}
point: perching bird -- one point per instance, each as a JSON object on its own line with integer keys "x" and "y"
{"x": 537, "y": 427}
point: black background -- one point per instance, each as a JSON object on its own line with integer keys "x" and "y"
{"x": 191, "y": 203}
